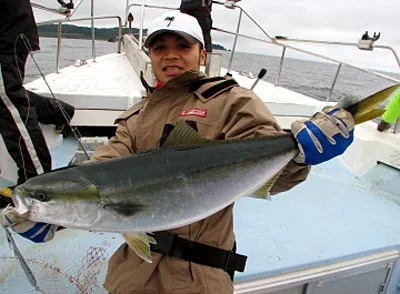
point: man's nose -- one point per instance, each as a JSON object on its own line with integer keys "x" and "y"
{"x": 171, "y": 53}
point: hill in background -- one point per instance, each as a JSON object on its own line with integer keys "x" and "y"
{"x": 77, "y": 32}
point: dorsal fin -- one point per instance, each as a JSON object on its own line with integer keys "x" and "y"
{"x": 183, "y": 135}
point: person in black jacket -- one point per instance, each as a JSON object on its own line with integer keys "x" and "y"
{"x": 201, "y": 10}
{"x": 22, "y": 110}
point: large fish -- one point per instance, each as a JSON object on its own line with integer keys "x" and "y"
{"x": 186, "y": 180}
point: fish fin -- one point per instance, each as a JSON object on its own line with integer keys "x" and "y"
{"x": 183, "y": 135}
{"x": 368, "y": 104}
{"x": 264, "y": 191}
{"x": 125, "y": 209}
{"x": 140, "y": 243}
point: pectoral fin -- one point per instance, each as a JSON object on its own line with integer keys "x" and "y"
{"x": 264, "y": 191}
{"x": 125, "y": 209}
{"x": 140, "y": 243}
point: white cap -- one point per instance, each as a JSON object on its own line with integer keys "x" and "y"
{"x": 178, "y": 23}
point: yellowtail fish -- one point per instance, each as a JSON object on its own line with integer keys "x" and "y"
{"x": 188, "y": 179}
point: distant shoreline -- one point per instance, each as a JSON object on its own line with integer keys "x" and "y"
{"x": 85, "y": 33}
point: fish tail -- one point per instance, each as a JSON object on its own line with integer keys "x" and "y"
{"x": 365, "y": 109}
{"x": 140, "y": 243}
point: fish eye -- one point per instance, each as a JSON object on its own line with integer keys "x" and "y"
{"x": 41, "y": 196}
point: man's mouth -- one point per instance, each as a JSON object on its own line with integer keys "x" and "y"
{"x": 172, "y": 69}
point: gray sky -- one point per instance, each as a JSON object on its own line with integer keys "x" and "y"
{"x": 329, "y": 20}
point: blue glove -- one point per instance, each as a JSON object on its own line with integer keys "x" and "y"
{"x": 36, "y": 232}
{"x": 324, "y": 136}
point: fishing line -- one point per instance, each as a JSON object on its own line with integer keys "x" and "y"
{"x": 27, "y": 114}
{"x": 66, "y": 116}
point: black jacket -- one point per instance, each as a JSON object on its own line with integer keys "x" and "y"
{"x": 194, "y": 4}
{"x": 16, "y": 17}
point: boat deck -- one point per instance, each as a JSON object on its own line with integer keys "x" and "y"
{"x": 330, "y": 219}
{"x": 108, "y": 85}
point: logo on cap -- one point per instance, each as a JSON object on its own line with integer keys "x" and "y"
{"x": 170, "y": 19}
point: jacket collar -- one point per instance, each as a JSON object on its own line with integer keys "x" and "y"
{"x": 183, "y": 80}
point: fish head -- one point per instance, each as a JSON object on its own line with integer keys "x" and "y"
{"x": 54, "y": 191}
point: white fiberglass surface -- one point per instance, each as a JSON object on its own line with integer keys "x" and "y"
{"x": 110, "y": 74}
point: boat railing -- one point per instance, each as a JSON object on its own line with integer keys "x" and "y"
{"x": 274, "y": 40}
{"x": 277, "y": 41}
{"x": 58, "y": 11}
{"x": 143, "y": 7}
{"x": 68, "y": 19}
{"x": 93, "y": 35}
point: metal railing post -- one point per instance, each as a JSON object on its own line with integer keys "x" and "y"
{"x": 396, "y": 126}
{"x": 59, "y": 36}
{"x": 334, "y": 81}
{"x": 278, "y": 77}
{"x": 235, "y": 41}
{"x": 126, "y": 12}
{"x": 141, "y": 26}
{"x": 93, "y": 34}
{"x": 119, "y": 36}
{"x": 58, "y": 47}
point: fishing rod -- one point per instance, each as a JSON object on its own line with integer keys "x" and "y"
{"x": 28, "y": 272}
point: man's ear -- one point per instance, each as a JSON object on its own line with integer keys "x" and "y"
{"x": 203, "y": 55}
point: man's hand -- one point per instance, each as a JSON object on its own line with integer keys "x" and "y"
{"x": 36, "y": 232}
{"x": 324, "y": 136}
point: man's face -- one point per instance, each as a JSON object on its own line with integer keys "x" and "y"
{"x": 171, "y": 55}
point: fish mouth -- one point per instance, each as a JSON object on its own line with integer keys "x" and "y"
{"x": 22, "y": 204}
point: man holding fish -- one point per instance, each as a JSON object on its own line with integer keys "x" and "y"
{"x": 195, "y": 141}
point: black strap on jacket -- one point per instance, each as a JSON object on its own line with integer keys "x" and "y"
{"x": 172, "y": 245}
{"x": 148, "y": 88}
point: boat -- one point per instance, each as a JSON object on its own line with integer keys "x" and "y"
{"x": 337, "y": 232}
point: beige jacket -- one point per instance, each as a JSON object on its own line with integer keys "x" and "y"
{"x": 230, "y": 113}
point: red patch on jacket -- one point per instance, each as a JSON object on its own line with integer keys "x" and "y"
{"x": 194, "y": 112}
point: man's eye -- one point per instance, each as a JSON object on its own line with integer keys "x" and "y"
{"x": 184, "y": 46}
{"x": 158, "y": 48}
